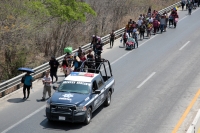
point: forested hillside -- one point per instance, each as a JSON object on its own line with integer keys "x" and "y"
{"x": 33, "y": 30}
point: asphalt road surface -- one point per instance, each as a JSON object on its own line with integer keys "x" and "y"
{"x": 155, "y": 84}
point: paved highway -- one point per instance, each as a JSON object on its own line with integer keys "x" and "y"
{"x": 155, "y": 85}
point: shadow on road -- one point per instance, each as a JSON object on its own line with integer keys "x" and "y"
{"x": 66, "y": 126}
{"x": 57, "y": 125}
{"x": 16, "y": 100}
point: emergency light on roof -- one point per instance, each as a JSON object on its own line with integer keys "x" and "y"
{"x": 82, "y": 74}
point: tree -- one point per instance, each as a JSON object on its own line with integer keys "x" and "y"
{"x": 64, "y": 10}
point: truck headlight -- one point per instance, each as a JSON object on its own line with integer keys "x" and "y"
{"x": 81, "y": 108}
{"x": 48, "y": 105}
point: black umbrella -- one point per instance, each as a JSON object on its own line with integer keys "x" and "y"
{"x": 24, "y": 69}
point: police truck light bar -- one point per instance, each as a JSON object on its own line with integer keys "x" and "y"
{"x": 82, "y": 74}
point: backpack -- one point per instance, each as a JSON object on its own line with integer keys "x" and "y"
{"x": 142, "y": 28}
{"x": 23, "y": 79}
{"x": 134, "y": 35}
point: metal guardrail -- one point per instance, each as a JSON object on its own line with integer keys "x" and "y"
{"x": 16, "y": 81}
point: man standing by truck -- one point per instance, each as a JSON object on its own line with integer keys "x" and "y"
{"x": 47, "y": 86}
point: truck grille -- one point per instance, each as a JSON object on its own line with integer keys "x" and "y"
{"x": 62, "y": 108}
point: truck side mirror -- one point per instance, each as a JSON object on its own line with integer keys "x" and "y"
{"x": 97, "y": 92}
{"x": 55, "y": 87}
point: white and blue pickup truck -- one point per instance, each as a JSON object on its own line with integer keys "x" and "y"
{"x": 80, "y": 94}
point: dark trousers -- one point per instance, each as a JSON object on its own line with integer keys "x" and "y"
{"x": 129, "y": 32}
{"x": 182, "y": 5}
{"x": 161, "y": 27}
{"x": 26, "y": 87}
{"x": 171, "y": 22}
{"x": 125, "y": 40}
{"x": 175, "y": 24}
{"x": 155, "y": 29}
{"x": 53, "y": 73}
{"x": 111, "y": 42}
{"x": 141, "y": 34}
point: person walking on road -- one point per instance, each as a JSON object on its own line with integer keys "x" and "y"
{"x": 162, "y": 23}
{"x": 53, "y": 68}
{"x": 27, "y": 85}
{"x": 183, "y": 2}
{"x": 190, "y": 6}
{"x": 47, "y": 81}
{"x": 135, "y": 36}
{"x": 112, "y": 38}
{"x": 155, "y": 26}
{"x": 142, "y": 30}
{"x": 125, "y": 37}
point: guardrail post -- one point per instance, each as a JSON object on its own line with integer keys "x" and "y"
{"x": 3, "y": 94}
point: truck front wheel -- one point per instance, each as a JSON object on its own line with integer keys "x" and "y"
{"x": 108, "y": 99}
{"x": 88, "y": 116}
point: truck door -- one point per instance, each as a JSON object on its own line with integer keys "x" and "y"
{"x": 95, "y": 96}
{"x": 101, "y": 87}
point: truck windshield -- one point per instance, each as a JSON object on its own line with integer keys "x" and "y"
{"x": 75, "y": 87}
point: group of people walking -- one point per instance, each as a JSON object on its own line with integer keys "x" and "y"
{"x": 190, "y": 5}
{"x": 152, "y": 22}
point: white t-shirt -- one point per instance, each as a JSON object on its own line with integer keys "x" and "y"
{"x": 127, "y": 36}
{"x": 151, "y": 20}
{"x": 45, "y": 78}
{"x": 68, "y": 70}
{"x": 139, "y": 22}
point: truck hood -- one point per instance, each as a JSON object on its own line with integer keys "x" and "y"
{"x": 69, "y": 98}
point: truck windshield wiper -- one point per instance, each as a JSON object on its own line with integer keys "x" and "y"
{"x": 61, "y": 91}
{"x": 75, "y": 92}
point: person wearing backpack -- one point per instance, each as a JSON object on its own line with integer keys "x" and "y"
{"x": 27, "y": 81}
{"x": 142, "y": 30}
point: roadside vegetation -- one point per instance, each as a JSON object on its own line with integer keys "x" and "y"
{"x": 33, "y": 30}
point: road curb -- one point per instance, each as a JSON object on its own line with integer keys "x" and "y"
{"x": 194, "y": 127}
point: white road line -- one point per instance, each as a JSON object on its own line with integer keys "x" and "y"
{"x": 25, "y": 118}
{"x": 150, "y": 76}
{"x": 184, "y": 45}
{"x": 188, "y": 15}
{"x": 182, "y": 18}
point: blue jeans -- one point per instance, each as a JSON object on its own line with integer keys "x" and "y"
{"x": 162, "y": 27}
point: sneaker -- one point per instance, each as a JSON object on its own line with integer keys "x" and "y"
{"x": 24, "y": 98}
{"x": 42, "y": 99}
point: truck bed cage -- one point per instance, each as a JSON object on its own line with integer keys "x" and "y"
{"x": 93, "y": 63}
